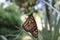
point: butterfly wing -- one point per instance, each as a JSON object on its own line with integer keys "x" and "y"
{"x": 31, "y": 26}
{"x": 34, "y": 32}
{"x": 27, "y": 25}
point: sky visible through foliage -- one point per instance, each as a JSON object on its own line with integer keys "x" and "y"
{"x": 37, "y": 7}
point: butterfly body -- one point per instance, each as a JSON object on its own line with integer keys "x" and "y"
{"x": 30, "y": 26}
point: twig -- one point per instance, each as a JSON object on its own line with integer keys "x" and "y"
{"x": 51, "y": 6}
{"x": 3, "y": 37}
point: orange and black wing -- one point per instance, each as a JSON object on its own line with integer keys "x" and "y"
{"x": 31, "y": 26}
{"x": 27, "y": 25}
{"x": 34, "y": 32}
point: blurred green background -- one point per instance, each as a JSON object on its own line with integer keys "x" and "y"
{"x": 13, "y": 16}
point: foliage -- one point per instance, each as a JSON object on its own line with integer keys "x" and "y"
{"x": 25, "y": 3}
{"x": 10, "y": 21}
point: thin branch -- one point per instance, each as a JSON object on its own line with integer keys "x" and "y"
{"x": 3, "y": 37}
{"x": 51, "y": 6}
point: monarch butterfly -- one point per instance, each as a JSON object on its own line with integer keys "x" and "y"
{"x": 30, "y": 25}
